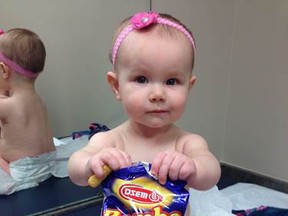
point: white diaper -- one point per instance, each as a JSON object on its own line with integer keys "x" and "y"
{"x": 27, "y": 172}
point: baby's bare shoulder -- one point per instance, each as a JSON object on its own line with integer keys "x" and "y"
{"x": 191, "y": 141}
{"x": 105, "y": 139}
{"x": 106, "y": 136}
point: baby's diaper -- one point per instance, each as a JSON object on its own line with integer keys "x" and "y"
{"x": 133, "y": 191}
{"x": 27, "y": 172}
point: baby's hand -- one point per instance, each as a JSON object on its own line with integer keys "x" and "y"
{"x": 112, "y": 157}
{"x": 173, "y": 165}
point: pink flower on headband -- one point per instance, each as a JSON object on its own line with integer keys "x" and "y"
{"x": 144, "y": 19}
{"x": 1, "y": 31}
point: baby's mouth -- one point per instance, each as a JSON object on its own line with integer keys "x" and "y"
{"x": 158, "y": 111}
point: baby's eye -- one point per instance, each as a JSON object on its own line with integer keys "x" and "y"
{"x": 141, "y": 79}
{"x": 172, "y": 81}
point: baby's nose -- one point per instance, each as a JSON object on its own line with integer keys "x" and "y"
{"x": 157, "y": 94}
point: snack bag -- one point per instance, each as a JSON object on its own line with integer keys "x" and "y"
{"x": 133, "y": 191}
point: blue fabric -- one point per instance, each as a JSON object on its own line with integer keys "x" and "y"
{"x": 262, "y": 211}
{"x": 93, "y": 129}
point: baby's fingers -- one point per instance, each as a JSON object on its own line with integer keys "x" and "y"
{"x": 96, "y": 166}
{"x": 157, "y": 162}
{"x": 115, "y": 158}
{"x": 164, "y": 165}
{"x": 187, "y": 171}
{"x": 119, "y": 159}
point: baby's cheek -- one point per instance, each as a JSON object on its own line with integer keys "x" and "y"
{"x": 177, "y": 104}
{"x": 133, "y": 105}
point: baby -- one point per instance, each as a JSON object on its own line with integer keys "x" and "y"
{"x": 152, "y": 58}
{"x": 27, "y": 152}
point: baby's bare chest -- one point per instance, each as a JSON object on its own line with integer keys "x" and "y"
{"x": 147, "y": 151}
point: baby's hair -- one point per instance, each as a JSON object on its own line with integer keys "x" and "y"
{"x": 24, "y": 48}
{"x": 162, "y": 29}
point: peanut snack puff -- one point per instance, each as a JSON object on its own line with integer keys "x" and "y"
{"x": 133, "y": 191}
{"x": 93, "y": 181}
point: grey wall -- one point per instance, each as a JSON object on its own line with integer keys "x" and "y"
{"x": 212, "y": 27}
{"x": 239, "y": 103}
{"x": 78, "y": 36}
{"x": 257, "y": 118}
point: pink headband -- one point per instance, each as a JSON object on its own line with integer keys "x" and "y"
{"x": 142, "y": 20}
{"x": 15, "y": 66}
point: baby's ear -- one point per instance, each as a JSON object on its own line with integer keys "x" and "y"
{"x": 113, "y": 81}
{"x": 192, "y": 81}
{"x": 4, "y": 70}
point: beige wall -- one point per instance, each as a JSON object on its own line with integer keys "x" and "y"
{"x": 239, "y": 103}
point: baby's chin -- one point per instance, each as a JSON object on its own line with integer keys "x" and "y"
{"x": 157, "y": 125}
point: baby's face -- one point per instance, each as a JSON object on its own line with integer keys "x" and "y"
{"x": 154, "y": 77}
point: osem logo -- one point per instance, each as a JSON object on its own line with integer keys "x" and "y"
{"x": 138, "y": 194}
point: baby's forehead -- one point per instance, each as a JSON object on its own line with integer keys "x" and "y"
{"x": 155, "y": 33}
{"x": 154, "y": 51}
{"x": 153, "y": 40}
{"x": 159, "y": 35}
{"x": 162, "y": 31}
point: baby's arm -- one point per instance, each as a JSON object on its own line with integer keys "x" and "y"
{"x": 90, "y": 160}
{"x": 207, "y": 166}
{"x": 192, "y": 162}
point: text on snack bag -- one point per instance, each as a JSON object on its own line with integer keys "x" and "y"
{"x": 137, "y": 193}
{"x": 156, "y": 211}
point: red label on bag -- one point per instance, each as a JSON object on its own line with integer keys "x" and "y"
{"x": 137, "y": 193}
